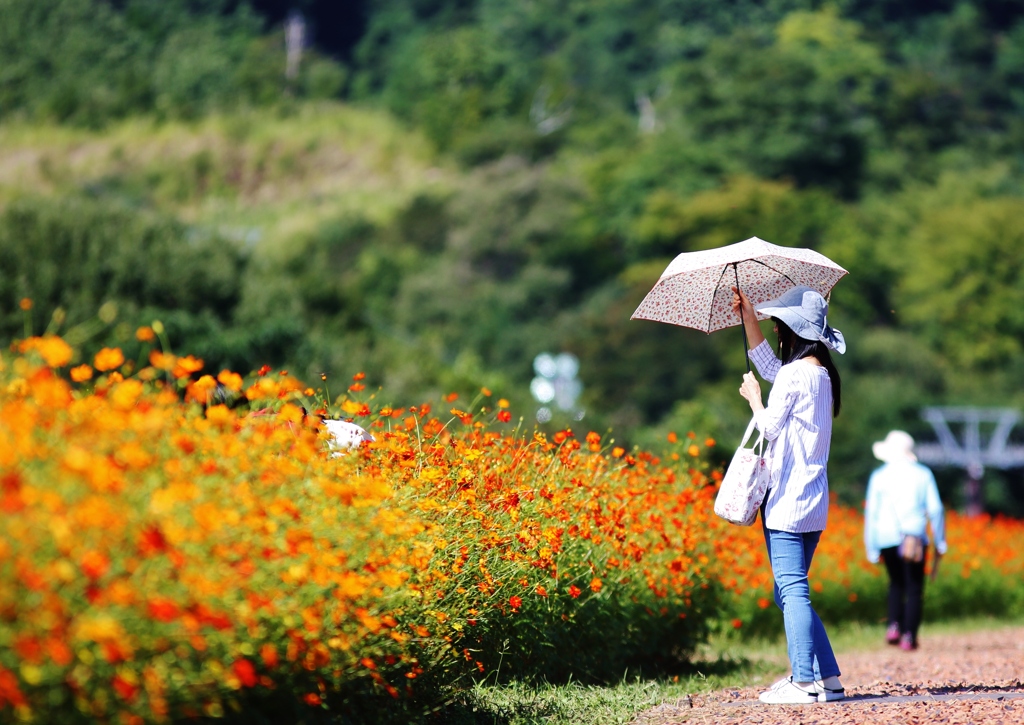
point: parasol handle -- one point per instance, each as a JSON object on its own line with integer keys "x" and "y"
{"x": 743, "y": 324}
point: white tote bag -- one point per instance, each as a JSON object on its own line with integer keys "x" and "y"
{"x": 745, "y": 482}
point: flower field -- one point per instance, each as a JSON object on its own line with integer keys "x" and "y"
{"x": 165, "y": 557}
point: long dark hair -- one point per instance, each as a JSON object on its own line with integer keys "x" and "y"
{"x": 793, "y": 347}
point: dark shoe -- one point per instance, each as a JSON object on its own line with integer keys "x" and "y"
{"x": 892, "y": 635}
{"x": 907, "y": 642}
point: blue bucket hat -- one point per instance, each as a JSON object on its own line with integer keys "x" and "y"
{"x": 806, "y": 313}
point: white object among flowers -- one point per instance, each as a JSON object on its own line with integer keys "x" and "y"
{"x": 346, "y": 435}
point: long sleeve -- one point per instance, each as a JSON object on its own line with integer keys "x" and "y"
{"x": 936, "y": 514}
{"x": 772, "y": 419}
{"x": 871, "y": 521}
{"x": 765, "y": 361}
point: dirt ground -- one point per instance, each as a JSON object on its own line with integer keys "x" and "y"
{"x": 957, "y": 679}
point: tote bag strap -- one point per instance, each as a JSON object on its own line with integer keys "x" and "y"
{"x": 759, "y": 443}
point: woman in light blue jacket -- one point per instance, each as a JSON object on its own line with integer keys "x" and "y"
{"x": 902, "y": 500}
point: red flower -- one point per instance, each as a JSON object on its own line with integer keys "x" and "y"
{"x": 574, "y": 591}
{"x": 125, "y": 690}
{"x": 515, "y": 602}
{"x": 268, "y": 653}
{"x": 152, "y": 541}
{"x": 94, "y": 564}
{"x": 245, "y": 672}
{"x": 163, "y": 610}
{"x": 263, "y": 371}
{"x": 504, "y": 416}
{"x": 737, "y": 623}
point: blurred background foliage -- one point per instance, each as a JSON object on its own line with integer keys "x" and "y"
{"x": 449, "y": 187}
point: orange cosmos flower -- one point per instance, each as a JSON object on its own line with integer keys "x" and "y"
{"x": 126, "y": 393}
{"x": 186, "y": 366}
{"x": 358, "y": 376}
{"x": 81, "y": 373}
{"x": 502, "y": 403}
{"x": 709, "y": 442}
{"x": 54, "y": 351}
{"x": 541, "y": 591}
{"x": 595, "y": 585}
{"x": 162, "y": 361}
{"x": 200, "y": 390}
{"x": 672, "y": 437}
{"x": 25, "y": 304}
{"x": 693, "y": 451}
{"x": 618, "y": 451}
{"x": 230, "y": 380}
{"x": 108, "y": 358}
{"x": 145, "y": 334}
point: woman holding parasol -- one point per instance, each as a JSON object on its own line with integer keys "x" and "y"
{"x": 797, "y": 422}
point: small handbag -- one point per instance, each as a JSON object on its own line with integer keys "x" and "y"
{"x": 745, "y": 482}
{"x": 912, "y": 548}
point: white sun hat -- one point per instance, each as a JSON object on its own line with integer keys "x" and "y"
{"x": 897, "y": 446}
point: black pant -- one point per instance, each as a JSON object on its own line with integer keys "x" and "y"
{"x": 906, "y": 590}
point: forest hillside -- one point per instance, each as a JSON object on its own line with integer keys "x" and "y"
{"x": 440, "y": 190}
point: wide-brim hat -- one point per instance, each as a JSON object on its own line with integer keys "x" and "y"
{"x": 805, "y": 311}
{"x": 897, "y": 446}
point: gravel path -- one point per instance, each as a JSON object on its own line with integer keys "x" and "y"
{"x": 971, "y": 678}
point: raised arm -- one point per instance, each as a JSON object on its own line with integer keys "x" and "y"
{"x": 750, "y": 324}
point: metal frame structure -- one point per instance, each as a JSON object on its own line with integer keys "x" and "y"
{"x": 973, "y": 451}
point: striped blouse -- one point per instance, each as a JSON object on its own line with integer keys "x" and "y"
{"x": 797, "y": 422}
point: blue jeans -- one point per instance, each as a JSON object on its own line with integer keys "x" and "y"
{"x": 810, "y": 653}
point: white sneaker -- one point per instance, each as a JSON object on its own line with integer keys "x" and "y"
{"x": 829, "y": 690}
{"x": 787, "y": 692}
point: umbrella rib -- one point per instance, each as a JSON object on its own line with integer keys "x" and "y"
{"x": 777, "y": 271}
{"x": 711, "y": 313}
